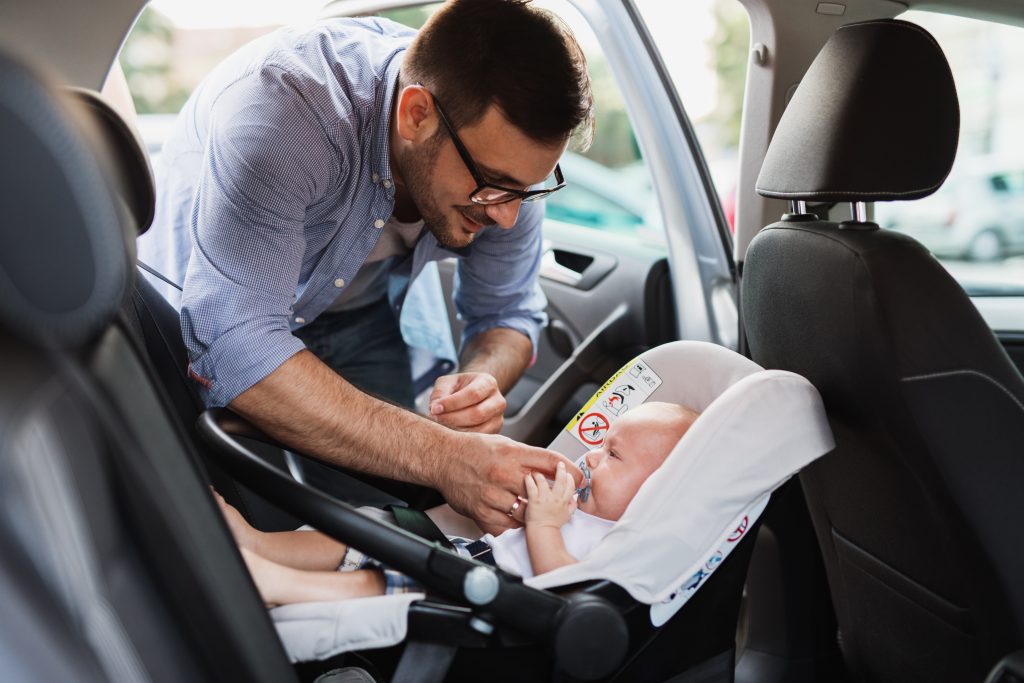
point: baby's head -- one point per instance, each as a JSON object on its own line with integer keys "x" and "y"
{"x": 636, "y": 445}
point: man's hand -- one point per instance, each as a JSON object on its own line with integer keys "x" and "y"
{"x": 469, "y": 402}
{"x": 484, "y": 480}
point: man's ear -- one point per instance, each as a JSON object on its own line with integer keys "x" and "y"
{"x": 416, "y": 117}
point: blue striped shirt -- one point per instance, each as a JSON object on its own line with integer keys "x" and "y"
{"x": 272, "y": 189}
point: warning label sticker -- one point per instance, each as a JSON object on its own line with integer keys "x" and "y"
{"x": 628, "y": 387}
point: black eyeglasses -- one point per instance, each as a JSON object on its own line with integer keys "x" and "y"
{"x": 488, "y": 193}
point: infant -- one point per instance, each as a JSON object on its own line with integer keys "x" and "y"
{"x": 299, "y": 566}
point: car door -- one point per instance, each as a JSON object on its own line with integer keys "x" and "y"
{"x": 637, "y": 251}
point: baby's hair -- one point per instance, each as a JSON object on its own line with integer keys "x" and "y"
{"x": 678, "y": 418}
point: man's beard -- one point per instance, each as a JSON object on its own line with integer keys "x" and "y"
{"x": 418, "y": 169}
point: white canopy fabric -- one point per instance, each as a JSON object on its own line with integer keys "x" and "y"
{"x": 757, "y": 428}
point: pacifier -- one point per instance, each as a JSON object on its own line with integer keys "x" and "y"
{"x": 584, "y": 491}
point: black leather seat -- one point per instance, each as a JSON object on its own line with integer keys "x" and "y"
{"x": 104, "y": 505}
{"x": 918, "y": 509}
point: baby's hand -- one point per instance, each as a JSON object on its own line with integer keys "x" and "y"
{"x": 549, "y": 505}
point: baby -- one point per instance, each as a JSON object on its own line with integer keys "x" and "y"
{"x": 299, "y": 566}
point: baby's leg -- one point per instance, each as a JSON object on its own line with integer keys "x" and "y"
{"x": 281, "y": 585}
{"x": 298, "y": 549}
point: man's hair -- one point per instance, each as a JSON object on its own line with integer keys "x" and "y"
{"x": 474, "y": 53}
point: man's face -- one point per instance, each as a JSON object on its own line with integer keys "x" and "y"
{"x": 439, "y": 183}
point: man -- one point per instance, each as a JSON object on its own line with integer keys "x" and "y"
{"x": 313, "y": 175}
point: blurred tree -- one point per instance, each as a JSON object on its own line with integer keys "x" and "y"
{"x": 413, "y": 17}
{"x": 614, "y": 143}
{"x": 729, "y": 47}
{"x": 146, "y": 60}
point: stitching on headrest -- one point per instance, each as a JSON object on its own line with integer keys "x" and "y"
{"x": 953, "y": 373}
{"x": 781, "y": 195}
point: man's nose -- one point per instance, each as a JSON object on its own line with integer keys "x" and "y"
{"x": 505, "y": 215}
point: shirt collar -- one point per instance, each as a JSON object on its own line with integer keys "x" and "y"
{"x": 384, "y": 101}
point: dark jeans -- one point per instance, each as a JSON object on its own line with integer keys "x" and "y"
{"x": 365, "y": 347}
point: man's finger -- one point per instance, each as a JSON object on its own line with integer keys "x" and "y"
{"x": 472, "y": 393}
{"x": 444, "y": 386}
{"x": 494, "y": 522}
{"x": 543, "y": 460}
{"x": 478, "y": 417}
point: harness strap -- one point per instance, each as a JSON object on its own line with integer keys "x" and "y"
{"x": 417, "y": 522}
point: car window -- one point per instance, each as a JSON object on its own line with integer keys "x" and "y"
{"x": 974, "y": 224}
{"x": 705, "y": 46}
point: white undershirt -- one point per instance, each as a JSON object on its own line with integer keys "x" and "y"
{"x": 370, "y": 283}
{"x": 581, "y": 533}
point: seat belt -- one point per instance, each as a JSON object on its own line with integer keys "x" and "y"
{"x": 157, "y": 274}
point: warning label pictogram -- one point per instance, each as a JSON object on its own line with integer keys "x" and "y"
{"x": 592, "y": 429}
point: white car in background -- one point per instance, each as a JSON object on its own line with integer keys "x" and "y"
{"x": 978, "y": 214}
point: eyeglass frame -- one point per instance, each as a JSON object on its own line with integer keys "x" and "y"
{"x": 481, "y": 182}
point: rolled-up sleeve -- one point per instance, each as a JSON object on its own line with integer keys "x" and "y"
{"x": 266, "y": 160}
{"x": 496, "y": 285}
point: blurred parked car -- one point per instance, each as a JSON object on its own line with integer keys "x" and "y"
{"x": 978, "y": 214}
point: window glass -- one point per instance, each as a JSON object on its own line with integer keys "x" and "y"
{"x": 705, "y": 46}
{"x": 175, "y": 43}
{"x": 974, "y": 223}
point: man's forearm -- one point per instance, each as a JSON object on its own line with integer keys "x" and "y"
{"x": 501, "y": 352}
{"x": 308, "y": 406}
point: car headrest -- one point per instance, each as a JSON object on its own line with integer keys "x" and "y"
{"x": 875, "y": 118}
{"x": 133, "y": 175}
{"x": 66, "y": 254}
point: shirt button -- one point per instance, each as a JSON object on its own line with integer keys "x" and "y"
{"x": 300, "y": 320}
{"x": 376, "y": 178}
{"x": 339, "y": 283}
{"x": 387, "y": 183}
{"x": 378, "y": 224}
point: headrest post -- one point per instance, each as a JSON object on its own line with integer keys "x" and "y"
{"x": 859, "y": 211}
{"x": 798, "y": 206}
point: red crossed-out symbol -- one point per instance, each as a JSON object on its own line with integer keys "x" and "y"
{"x": 592, "y": 428}
{"x": 740, "y": 530}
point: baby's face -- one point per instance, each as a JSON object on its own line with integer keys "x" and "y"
{"x": 636, "y": 445}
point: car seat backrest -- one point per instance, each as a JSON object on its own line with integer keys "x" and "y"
{"x": 101, "y": 493}
{"x": 926, "y": 407}
{"x": 147, "y": 320}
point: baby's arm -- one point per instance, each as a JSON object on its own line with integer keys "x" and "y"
{"x": 549, "y": 508}
{"x": 281, "y": 585}
{"x": 297, "y": 549}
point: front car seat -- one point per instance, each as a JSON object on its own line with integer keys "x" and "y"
{"x": 107, "y": 529}
{"x": 916, "y": 511}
